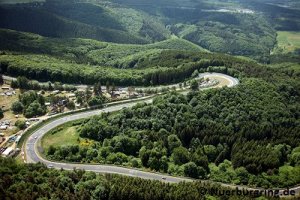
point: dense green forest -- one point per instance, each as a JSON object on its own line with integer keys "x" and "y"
{"x": 129, "y": 22}
{"x": 67, "y": 19}
{"x": 284, "y": 17}
{"x": 244, "y": 135}
{"x": 86, "y": 51}
{"x": 70, "y": 61}
{"x": 36, "y": 181}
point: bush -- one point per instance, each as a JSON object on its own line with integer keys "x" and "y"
{"x": 1, "y": 113}
{"x": 71, "y": 105}
{"x": 21, "y": 124}
{"x": 17, "y": 107}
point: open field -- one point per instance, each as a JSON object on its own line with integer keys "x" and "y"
{"x": 287, "y": 41}
{"x": 65, "y": 136}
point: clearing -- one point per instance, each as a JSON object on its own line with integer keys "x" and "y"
{"x": 64, "y": 136}
{"x": 287, "y": 42}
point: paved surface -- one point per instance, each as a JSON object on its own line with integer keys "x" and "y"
{"x": 32, "y": 146}
{"x": 232, "y": 81}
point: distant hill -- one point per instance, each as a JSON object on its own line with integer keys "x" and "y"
{"x": 87, "y": 50}
{"x": 244, "y": 28}
{"x": 83, "y": 20}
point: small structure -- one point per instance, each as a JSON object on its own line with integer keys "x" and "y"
{"x": 8, "y": 93}
{"x": 62, "y": 102}
{"x": 56, "y": 92}
{"x": 47, "y": 104}
{"x": 3, "y": 127}
{"x": 33, "y": 119}
{"x": 7, "y": 122}
{"x": 7, "y": 152}
{"x": 5, "y": 88}
{"x": 72, "y": 95}
{"x": 18, "y": 139}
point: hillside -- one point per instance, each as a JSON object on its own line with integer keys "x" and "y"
{"x": 83, "y": 20}
{"x": 85, "y": 61}
{"x": 87, "y": 51}
{"x": 201, "y": 22}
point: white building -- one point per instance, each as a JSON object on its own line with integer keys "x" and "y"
{"x": 7, "y": 152}
{"x": 18, "y": 138}
{"x": 3, "y": 127}
{"x": 71, "y": 95}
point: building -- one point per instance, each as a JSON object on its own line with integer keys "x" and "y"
{"x": 7, "y": 152}
{"x": 72, "y": 95}
{"x": 3, "y": 127}
{"x": 55, "y": 92}
{"x": 18, "y": 139}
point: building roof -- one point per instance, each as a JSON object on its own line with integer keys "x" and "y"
{"x": 18, "y": 138}
{"x": 7, "y": 151}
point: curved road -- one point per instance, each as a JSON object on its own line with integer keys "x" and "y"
{"x": 32, "y": 147}
{"x": 232, "y": 81}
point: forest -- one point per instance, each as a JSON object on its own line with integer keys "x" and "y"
{"x": 47, "y": 59}
{"x": 127, "y": 23}
{"x": 87, "y": 51}
{"x": 169, "y": 66}
{"x": 243, "y": 135}
{"x": 36, "y": 181}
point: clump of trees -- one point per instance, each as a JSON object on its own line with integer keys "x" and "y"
{"x": 1, "y": 113}
{"x": 23, "y": 83}
{"x": 86, "y": 98}
{"x": 30, "y": 104}
{"x": 21, "y": 124}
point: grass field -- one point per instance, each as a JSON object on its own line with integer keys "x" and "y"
{"x": 67, "y": 135}
{"x": 287, "y": 41}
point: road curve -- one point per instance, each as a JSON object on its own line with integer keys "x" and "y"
{"x": 232, "y": 81}
{"x": 32, "y": 147}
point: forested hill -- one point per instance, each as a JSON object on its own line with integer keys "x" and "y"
{"x": 87, "y": 51}
{"x": 137, "y": 23}
{"x": 85, "y": 20}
